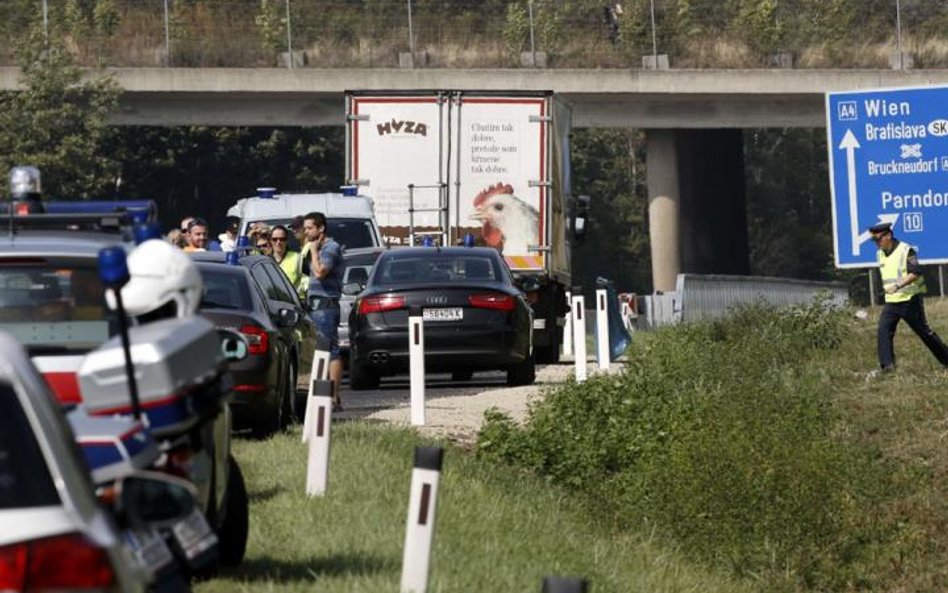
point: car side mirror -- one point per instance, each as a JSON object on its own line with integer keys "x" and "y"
{"x": 289, "y": 317}
{"x": 352, "y": 288}
{"x": 154, "y": 498}
{"x": 233, "y": 345}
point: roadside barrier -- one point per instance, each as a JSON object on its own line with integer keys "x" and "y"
{"x": 579, "y": 337}
{"x": 319, "y": 370}
{"x": 568, "y": 328}
{"x": 602, "y": 330}
{"x": 564, "y": 585}
{"x": 416, "y": 363}
{"x": 419, "y": 530}
{"x": 317, "y": 466}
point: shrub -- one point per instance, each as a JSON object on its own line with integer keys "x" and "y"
{"x": 718, "y": 435}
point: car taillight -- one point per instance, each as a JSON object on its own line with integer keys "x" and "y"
{"x": 179, "y": 462}
{"x": 61, "y": 563}
{"x": 258, "y": 341}
{"x": 495, "y": 300}
{"x": 379, "y": 304}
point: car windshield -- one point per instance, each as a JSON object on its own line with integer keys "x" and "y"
{"x": 437, "y": 267}
{"x": 353, "y": 233}
{"x": 223, "y": 289}
{"x": 53, "y": 302}
{"x": 24, "y": 478}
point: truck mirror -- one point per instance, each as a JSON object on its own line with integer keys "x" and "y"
{"x": 580, "y": 217}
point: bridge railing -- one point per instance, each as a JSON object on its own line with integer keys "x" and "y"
{"x": 491, "y": 33}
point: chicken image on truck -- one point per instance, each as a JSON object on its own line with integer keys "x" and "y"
{"x": 495, "y": 165}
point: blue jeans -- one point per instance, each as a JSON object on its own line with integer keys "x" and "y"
{"x": 327, "y": 326}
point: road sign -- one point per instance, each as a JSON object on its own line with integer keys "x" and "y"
{"x": 888, "y": 157}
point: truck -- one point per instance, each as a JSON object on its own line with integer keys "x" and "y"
{"x": 452, "y": 167}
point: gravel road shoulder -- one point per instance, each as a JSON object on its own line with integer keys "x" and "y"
{"x": 458, "y": 417}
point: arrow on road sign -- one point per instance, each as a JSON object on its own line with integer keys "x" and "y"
{"x": 850, "y": 144}
{"x": 865, "y": 235}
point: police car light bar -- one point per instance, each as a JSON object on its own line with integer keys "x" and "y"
{"x": 135, "y": 208}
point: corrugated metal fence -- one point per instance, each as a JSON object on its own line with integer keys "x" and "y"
{"x": 709, "y": 296}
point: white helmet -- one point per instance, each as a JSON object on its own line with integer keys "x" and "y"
{"x": 160, "y": 275}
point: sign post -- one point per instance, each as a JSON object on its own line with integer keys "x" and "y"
{"x": 888, "y": 162}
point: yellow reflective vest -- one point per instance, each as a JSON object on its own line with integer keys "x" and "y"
{"x": 893, "y": 268}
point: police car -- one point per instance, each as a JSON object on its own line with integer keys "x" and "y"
{"x": 51, "y": 301}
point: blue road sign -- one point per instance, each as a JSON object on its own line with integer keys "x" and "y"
{"x": 888, "y": 157}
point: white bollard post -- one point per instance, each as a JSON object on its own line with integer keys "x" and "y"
{"x": 568, "y": 328}
{"x": 317, "y": 466}
{"x": 416, "y": 364}
{"x": 419, "y": 530}
{"x": 319, "y": 371}
{"x": 602, "y": 330}
{"x": 579, "y": 337}
{"x": 626, "y": 316}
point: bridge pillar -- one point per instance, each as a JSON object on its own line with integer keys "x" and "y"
{"x": 663, "y": 207}
{"x": 713, "y": 225}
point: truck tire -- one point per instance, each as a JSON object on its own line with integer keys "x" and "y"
{"x": 361, "y": 378}
{"x": 550, "y": 353}
{"x": 233, "y": 533}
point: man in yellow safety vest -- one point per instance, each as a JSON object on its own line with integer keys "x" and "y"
{"x": 904, "y": 286}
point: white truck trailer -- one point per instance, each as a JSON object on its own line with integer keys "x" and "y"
{"x": 493, "y": 165}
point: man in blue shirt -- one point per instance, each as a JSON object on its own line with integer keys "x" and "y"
{"x": 322, "y": 262}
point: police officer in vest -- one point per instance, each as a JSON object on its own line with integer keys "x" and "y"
{"x": 904, "y": 286}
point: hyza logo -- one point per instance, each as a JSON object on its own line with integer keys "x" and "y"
{"x": 846, "y": 110}
{"x": 402, "y": 127}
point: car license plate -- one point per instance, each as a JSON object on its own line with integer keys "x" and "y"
{"x": 194, "y": 535}
{"x": 451, "y": 314}
{"x": 148, "y": 548}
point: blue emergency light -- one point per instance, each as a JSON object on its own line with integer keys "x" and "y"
{"x": 141, "y": 211}
{"x": 427, "y": 242}
{"x": 266, "y": 193}
{"x": 349, "y": 190}
{"x": 146, "y": 231}
{"x": 113, "y": 267}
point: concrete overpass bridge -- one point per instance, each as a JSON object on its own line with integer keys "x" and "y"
{"x": 692, "y": 120}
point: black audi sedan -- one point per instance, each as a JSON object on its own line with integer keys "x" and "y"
{"x": 474, "y": 318}
{"x": 255, "y": 299}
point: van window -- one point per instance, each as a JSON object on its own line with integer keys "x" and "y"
{"x": 351, "y": 233}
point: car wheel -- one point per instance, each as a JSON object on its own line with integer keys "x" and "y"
{"x": 462, "y": 375}
{"x": 361, "y": 378}
{"x": 233, "y": 533}
{"x": 524, "y": 373}
{"x": 281, "y": 414}
{"x": 290, "y": 403}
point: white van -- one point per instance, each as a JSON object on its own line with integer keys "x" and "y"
{"x": 350, "y": 218}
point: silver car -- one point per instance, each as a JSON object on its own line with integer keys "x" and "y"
{"x": 54, "y": 535}
{"x": 358, "y": 268}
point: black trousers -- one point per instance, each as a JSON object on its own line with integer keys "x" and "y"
{"x": 913, "y": 312}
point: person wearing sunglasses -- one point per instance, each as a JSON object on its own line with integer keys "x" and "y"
{"x": 286, "y": 258}
{"x": 262, "y": 243}
{"x": 904, "y": 286}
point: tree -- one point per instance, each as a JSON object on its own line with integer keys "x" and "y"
{"x": 57, "y": 122}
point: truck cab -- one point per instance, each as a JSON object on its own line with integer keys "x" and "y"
{"x": 350, "y": 217}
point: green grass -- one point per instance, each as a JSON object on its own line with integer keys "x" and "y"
{"x": 497, "y": 528}
{"x": 765, "y": 446}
